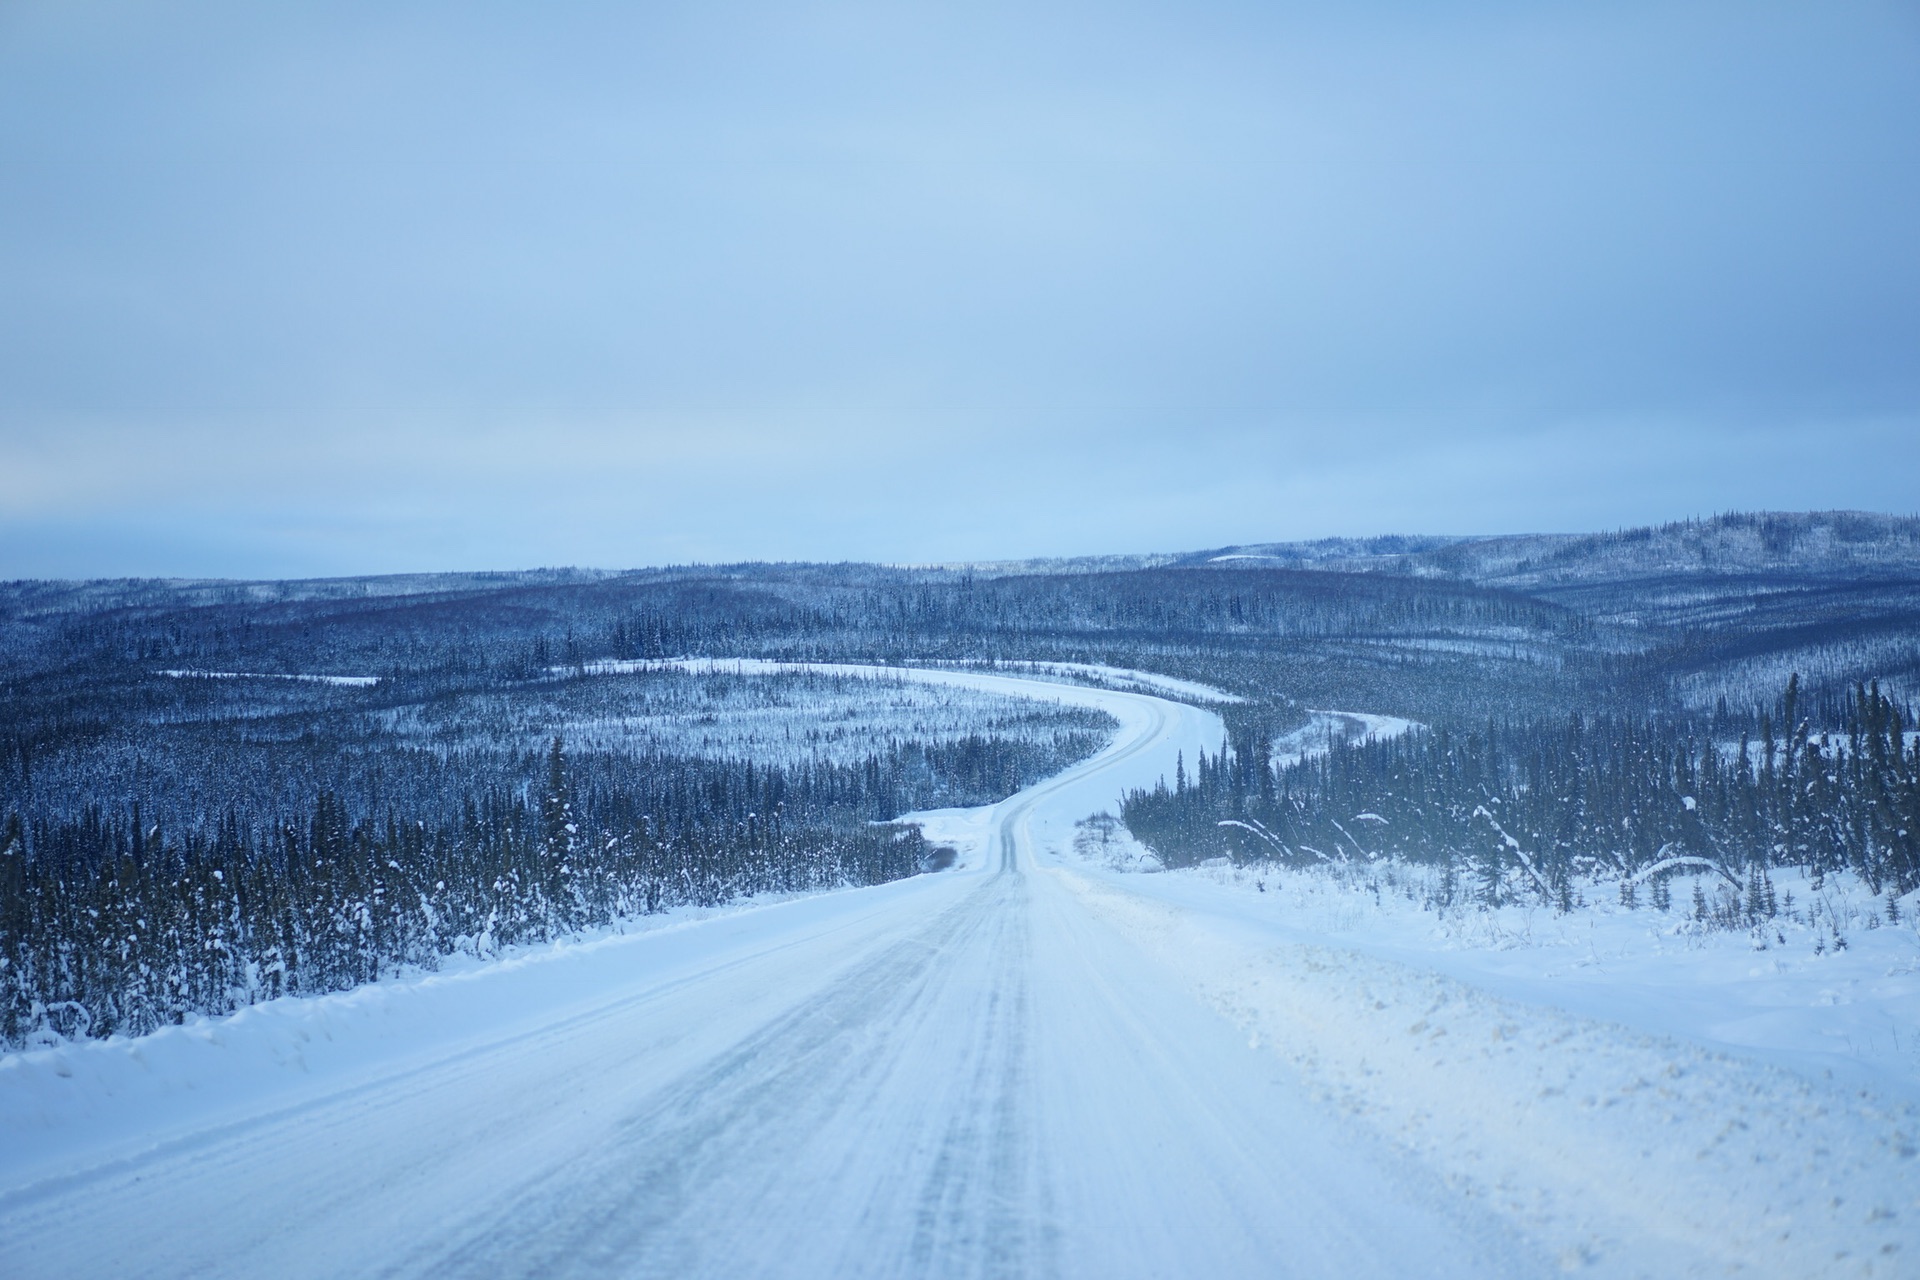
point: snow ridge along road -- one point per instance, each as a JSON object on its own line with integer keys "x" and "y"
{"x": 1015, "y": 1068}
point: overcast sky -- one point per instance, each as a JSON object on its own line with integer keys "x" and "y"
{"x": 292, "y": 289}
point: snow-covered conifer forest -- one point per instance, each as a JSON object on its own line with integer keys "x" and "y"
{"x": 1659, "y": 748}
{"x": 246, "y": 836}
{"x": 222, "y": 792}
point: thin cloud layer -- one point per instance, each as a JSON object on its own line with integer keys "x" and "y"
{"x": 339, "y": 288}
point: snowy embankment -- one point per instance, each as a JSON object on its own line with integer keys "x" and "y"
{"x": 1781, "y": 993}
{"x": 1616, "y": 1145}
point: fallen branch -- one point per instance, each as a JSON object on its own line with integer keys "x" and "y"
{"x": 1546, "y": 890}
{"x": 1681, "y": 864}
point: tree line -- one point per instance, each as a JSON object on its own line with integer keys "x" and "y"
{"x": 1526, "y": 810}
{"x": 109, "y": 925}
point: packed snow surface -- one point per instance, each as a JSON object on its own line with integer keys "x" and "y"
{"x": 1029, "y": 1065}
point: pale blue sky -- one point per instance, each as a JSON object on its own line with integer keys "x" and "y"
{"x": 333, "y": 288}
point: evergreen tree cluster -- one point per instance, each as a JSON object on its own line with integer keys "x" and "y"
{"x": 1528, "y": 809}
{"x": 252, "y": 751}
{"x": 110, "y": 925}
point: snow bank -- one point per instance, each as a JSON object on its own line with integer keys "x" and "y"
{"x": 1850, "y": 1016}
{"x": 1712, "y": 1161}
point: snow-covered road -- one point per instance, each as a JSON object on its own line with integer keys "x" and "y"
{"x": 1015, "y": 1068}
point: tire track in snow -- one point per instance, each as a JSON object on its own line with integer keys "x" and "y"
{"x": 740, "y": 1124}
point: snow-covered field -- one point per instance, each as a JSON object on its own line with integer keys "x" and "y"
{"x": 775, "y": 713}
{"x": 1031, "y": 1065}
{"x": 788, "y": 715}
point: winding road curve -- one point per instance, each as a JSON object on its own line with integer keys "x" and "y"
{"x": 968, "y": 1074}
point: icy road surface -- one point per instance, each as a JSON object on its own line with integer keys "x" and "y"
{"x": 1012, "y": 1069}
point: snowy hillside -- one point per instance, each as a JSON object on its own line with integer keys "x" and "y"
{"x": 1776, "y": 543}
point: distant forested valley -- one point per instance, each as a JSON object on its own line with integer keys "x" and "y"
{"x": 220, "y": 792}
